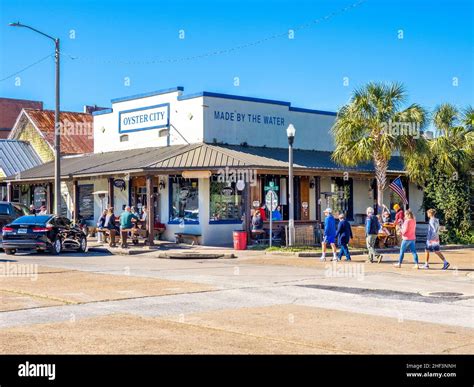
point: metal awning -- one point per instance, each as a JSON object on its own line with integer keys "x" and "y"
{"x": 202, "y": 156}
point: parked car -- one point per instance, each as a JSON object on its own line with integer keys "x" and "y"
{"x": 9, "y": 212}
{"x": 42, "y": 233}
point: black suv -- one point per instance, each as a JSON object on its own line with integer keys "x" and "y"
{"x": 42, "y": 233}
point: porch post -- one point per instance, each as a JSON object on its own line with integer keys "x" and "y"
{"x": 75, "y": 201}
{"x": 111, "y": 191}
{"x": 150, "y": 219}
{"x": 50, "y": 201}
{"x": 247, "y": 209}
{"x": 9, "y": 192}
{"x": 317, "y": 180}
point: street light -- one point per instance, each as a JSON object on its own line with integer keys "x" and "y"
{"x": 290, "y": 132}
{"x": 57, "y": 138}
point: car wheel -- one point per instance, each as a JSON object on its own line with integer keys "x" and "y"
{"x": 83, "y": 245}
{"x": 57, "y": 246}
{"x": 10, "y": 251}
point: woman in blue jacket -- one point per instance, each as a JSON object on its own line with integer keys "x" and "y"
{"x": 344, "y": 234}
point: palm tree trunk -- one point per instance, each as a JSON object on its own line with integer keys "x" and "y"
{"x": 381, "y": 166}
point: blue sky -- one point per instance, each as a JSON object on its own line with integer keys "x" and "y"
{"x": 361, "y": 44}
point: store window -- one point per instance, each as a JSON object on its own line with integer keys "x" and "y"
{"x": 342, "y": 199}
{"x": 184, "y": 200}
{"x": 226, "y": 202}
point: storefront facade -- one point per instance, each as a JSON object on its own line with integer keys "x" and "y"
{"x": 204, "y": 161}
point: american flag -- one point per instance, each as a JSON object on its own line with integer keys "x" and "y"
{"x": 397, "y": 187}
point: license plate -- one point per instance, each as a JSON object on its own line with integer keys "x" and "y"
{"x": 22, "y": 230}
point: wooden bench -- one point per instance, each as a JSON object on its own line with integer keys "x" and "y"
{"x": 180, "y": 236}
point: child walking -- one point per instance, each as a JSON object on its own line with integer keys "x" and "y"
{"x": 432, "y": 240}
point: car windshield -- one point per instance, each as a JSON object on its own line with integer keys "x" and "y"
{"x": 32, "y": 219}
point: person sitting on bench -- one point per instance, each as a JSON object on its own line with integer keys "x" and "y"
{"x": 127, "y": 218}
{"x": 257, "y": 225}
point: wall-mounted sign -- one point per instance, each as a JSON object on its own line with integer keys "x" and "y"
{"x": 240, "y": 185}
{"x": 227, "y": 191}
{"x": 146, "y": 118}
{"x": 86, "y": 201}
{"x": 196, "y": 174}
{"x": 251, "y": 118}
{"x": 120, "y": 183}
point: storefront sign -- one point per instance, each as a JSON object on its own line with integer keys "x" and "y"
{"x": 146, "y": 118}
{"x": 251, "y": 118}
{"x": 120, "y": 183}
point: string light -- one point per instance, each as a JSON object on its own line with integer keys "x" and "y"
{"x": 217, "y": 52}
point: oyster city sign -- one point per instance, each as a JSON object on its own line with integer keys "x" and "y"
{"x": 145, "y": 118}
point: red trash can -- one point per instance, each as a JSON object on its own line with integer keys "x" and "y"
{"x": 240, "y": 240}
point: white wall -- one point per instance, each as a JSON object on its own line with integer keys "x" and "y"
{"x": 185, "y": 116}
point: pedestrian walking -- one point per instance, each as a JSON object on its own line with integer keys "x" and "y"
{"x": 408, "y": 232}
{"x": 344, "y": 234}
{"x": 372, "y": 227}
{"x": 432, "y": 240}
{"x": 329, "y": 234}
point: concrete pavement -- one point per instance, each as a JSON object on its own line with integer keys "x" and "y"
{"x": 145, "y": 286}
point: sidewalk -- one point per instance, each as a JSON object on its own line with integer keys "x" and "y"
{"x": 166, "y": 249}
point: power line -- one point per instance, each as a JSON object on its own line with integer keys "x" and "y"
{"x": 221, "y": 51}
{"x": 27, "y": 67}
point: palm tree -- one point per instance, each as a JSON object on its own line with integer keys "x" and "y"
{"x": 365, "y": 131}
{"x": 453, "y": 146}
{"x": 449, "y": 186}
